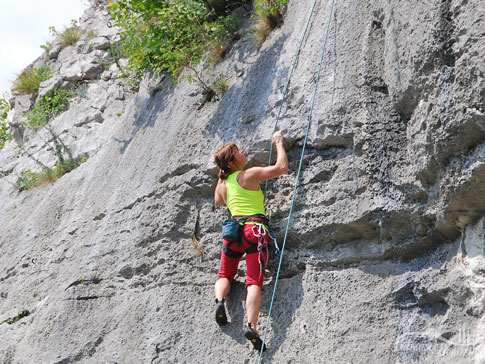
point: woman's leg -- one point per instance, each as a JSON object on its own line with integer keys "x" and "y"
{"x": 222, "y": 288}
{"x": 226, "y": 274}
{"x": 253, "y": 303}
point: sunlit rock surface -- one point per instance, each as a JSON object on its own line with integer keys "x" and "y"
{"x": 384, "y": 261}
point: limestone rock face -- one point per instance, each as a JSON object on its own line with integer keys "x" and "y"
{"x": 384, "y": 260}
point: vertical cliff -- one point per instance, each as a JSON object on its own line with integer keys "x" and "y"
{"x": 384, "y": 262}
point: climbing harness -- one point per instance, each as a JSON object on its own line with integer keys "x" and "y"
{"x": 233, "y": 232}
{"x": 260, "y": 233}
{"x": 300, "y": 165}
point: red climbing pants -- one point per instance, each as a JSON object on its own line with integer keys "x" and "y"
{"x": 254, "y": 261}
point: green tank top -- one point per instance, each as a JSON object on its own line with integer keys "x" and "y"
{"x": 243, "y": 202}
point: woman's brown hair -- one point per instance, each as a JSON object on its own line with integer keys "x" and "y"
{"x": 223, "y": 157}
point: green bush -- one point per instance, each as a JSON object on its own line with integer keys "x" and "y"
{"x": 28, "y": 81}
{"x": 167, "y": 35}
{"x": 267, "y": 8}
{"x": 4, "y": 134}
{"x": 4, "y": 128}
{"x": 48, "y": 106}
{"x": 268, "y": 13}
{"x": 28, "y": 179}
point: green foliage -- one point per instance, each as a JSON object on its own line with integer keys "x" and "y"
{"x": 268, "y": 13}
{"x": 267, "y": 8}
{"x": 4, "y": 128}
{"x": 12, "y": 320}
{"x": 28, "y": 81}
{"x": 4, "y": 134}
{"x": 28, "y": 179}
{"x": 223, "y": 7}
{"x": 47, "y": 107}
{"x": 167, "y": 35}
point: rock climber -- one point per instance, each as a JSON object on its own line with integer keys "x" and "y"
{"x": 239, "y": 189}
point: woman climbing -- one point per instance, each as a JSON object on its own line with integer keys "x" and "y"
{"x": 240, "y": 190}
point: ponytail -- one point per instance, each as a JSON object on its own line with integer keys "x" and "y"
{"x": 222, "y": 174}
{"x": 223, "y": 157}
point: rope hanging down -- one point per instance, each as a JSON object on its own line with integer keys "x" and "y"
{"x": 286, "y": 88}
{"x": 298, "y": 175}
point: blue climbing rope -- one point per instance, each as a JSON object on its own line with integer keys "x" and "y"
{"x": 286, "y": 87}
{"x": 297, "y": 179}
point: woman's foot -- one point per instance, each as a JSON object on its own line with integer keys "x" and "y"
{"x": 253, "y": 336}
{"x": 221, "y": 317}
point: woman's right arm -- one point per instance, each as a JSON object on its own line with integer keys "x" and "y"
{"x": 220, "y": 193}
{"x": 277, "y": 169}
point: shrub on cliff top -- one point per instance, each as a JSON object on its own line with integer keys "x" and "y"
{"x": 167, "y": 35}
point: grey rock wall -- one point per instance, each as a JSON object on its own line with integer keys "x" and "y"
{"x": 384, "y": 259}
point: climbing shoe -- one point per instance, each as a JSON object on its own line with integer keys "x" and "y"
{"x": 253, "y": 336}
{"x": 221, "y": 317}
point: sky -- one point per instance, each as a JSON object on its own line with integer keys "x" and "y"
{"x": 24, "y": 27}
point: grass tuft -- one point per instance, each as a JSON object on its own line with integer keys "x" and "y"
{"x": 28, "y": 179}
{"x": 221, "y": 85}
{"x": 199, "y": 250}
{"x": 70, "y": 36}
{"x": 91, "y": 34}
{"x": 49, "y": 44}
{"x": 265, "y": 26}
{"x": 268, "y": 13}
{"x": 28, "y": 81}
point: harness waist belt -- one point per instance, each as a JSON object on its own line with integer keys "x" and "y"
{"x": 261, "y": 219}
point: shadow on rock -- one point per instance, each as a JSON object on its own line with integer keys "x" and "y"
{"x": 243, "y": 107}
{"x": 149, "y": 103}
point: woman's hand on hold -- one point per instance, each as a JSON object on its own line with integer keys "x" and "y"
{"x": 278, "y": 137}
{"x": 256, "y": 174}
